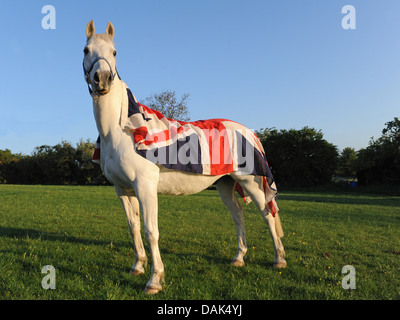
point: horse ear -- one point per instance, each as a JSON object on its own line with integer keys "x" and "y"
{"x": 110, "y": 30}
{"x": 90, "y": 29}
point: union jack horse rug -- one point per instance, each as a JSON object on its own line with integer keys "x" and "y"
{"x": 210, "y": 147}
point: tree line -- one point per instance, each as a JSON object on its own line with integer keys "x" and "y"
{"x": 59, "y": 165}
{"x": 296, "y": 158}
{"x": 304, "y": 158}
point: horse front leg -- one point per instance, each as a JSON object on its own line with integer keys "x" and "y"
{"x": 132, "y": 211}
{"x": 147, "y": 195}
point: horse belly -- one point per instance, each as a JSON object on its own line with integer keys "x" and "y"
{"x": 173, "y": 182}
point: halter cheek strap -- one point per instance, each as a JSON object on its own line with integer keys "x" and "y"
{"x": 87, "y": 73}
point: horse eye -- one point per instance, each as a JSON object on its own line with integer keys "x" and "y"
{"x": 115, "y": 53}
{"x": 86, "y": 51}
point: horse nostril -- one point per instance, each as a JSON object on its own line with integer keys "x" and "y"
{"x": 109, "y": 78}
{"x": 96, "y": 78}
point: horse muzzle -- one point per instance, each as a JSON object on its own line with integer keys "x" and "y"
{"x": 102, "y": 81}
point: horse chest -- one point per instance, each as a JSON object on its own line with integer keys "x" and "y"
{"x": 117, "y": 171}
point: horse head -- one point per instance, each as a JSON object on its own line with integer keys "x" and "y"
{"x": 99, "y": 62}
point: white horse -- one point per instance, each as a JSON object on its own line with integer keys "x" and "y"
{"x": 138, "y": 181}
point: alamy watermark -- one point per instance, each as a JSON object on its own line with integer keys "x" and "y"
{"x": 49, "y": 20}
{"x": 49, "y": 281}
{"x": 234, "y": 147}
{"x": 349, "y": 280}
{"x": 349, "y": 20}
{"x": 188, "y": 151}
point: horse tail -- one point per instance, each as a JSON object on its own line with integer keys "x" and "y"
{"x": 278, "y": 226}
{"x": 270, "y": 197}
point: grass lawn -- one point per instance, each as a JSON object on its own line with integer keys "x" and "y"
{"x": 83, "y": 233}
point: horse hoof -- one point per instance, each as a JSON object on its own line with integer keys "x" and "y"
{"x": 136, "y": 272}
{"x": 152, "y": 290}
{"x": 238, "y": 263}
{"x": 280, "y": 265}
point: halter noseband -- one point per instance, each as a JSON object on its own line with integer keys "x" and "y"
{"x": 87, "y": 74}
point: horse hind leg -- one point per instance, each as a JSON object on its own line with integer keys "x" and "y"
{"x": 254, "y": 188}
{"x": 226, "y": 189}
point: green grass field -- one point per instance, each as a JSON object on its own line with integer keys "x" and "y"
{"x": 83, "y": 233}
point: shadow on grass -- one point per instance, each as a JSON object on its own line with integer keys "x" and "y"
{"x": 21, "y": 233}
{"x": 24, "y": 234}
{"x": 332, "y": 197}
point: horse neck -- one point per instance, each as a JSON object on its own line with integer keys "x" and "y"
{"x": 107, "y": 111}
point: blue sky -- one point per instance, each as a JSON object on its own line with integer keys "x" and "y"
{"x": 282, "y": 63}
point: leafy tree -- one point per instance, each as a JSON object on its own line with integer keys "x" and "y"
{"x": 167, "y": 103}
{"x": 347, "y": 163}
{"x": 380, "y": 161}
{"x": 299, "y": 157}
{"x": 7, "y": 158}
{"x": 59, "y": 164}
{"x": 16, "y": 168}
{"x": 89, "y": 172}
